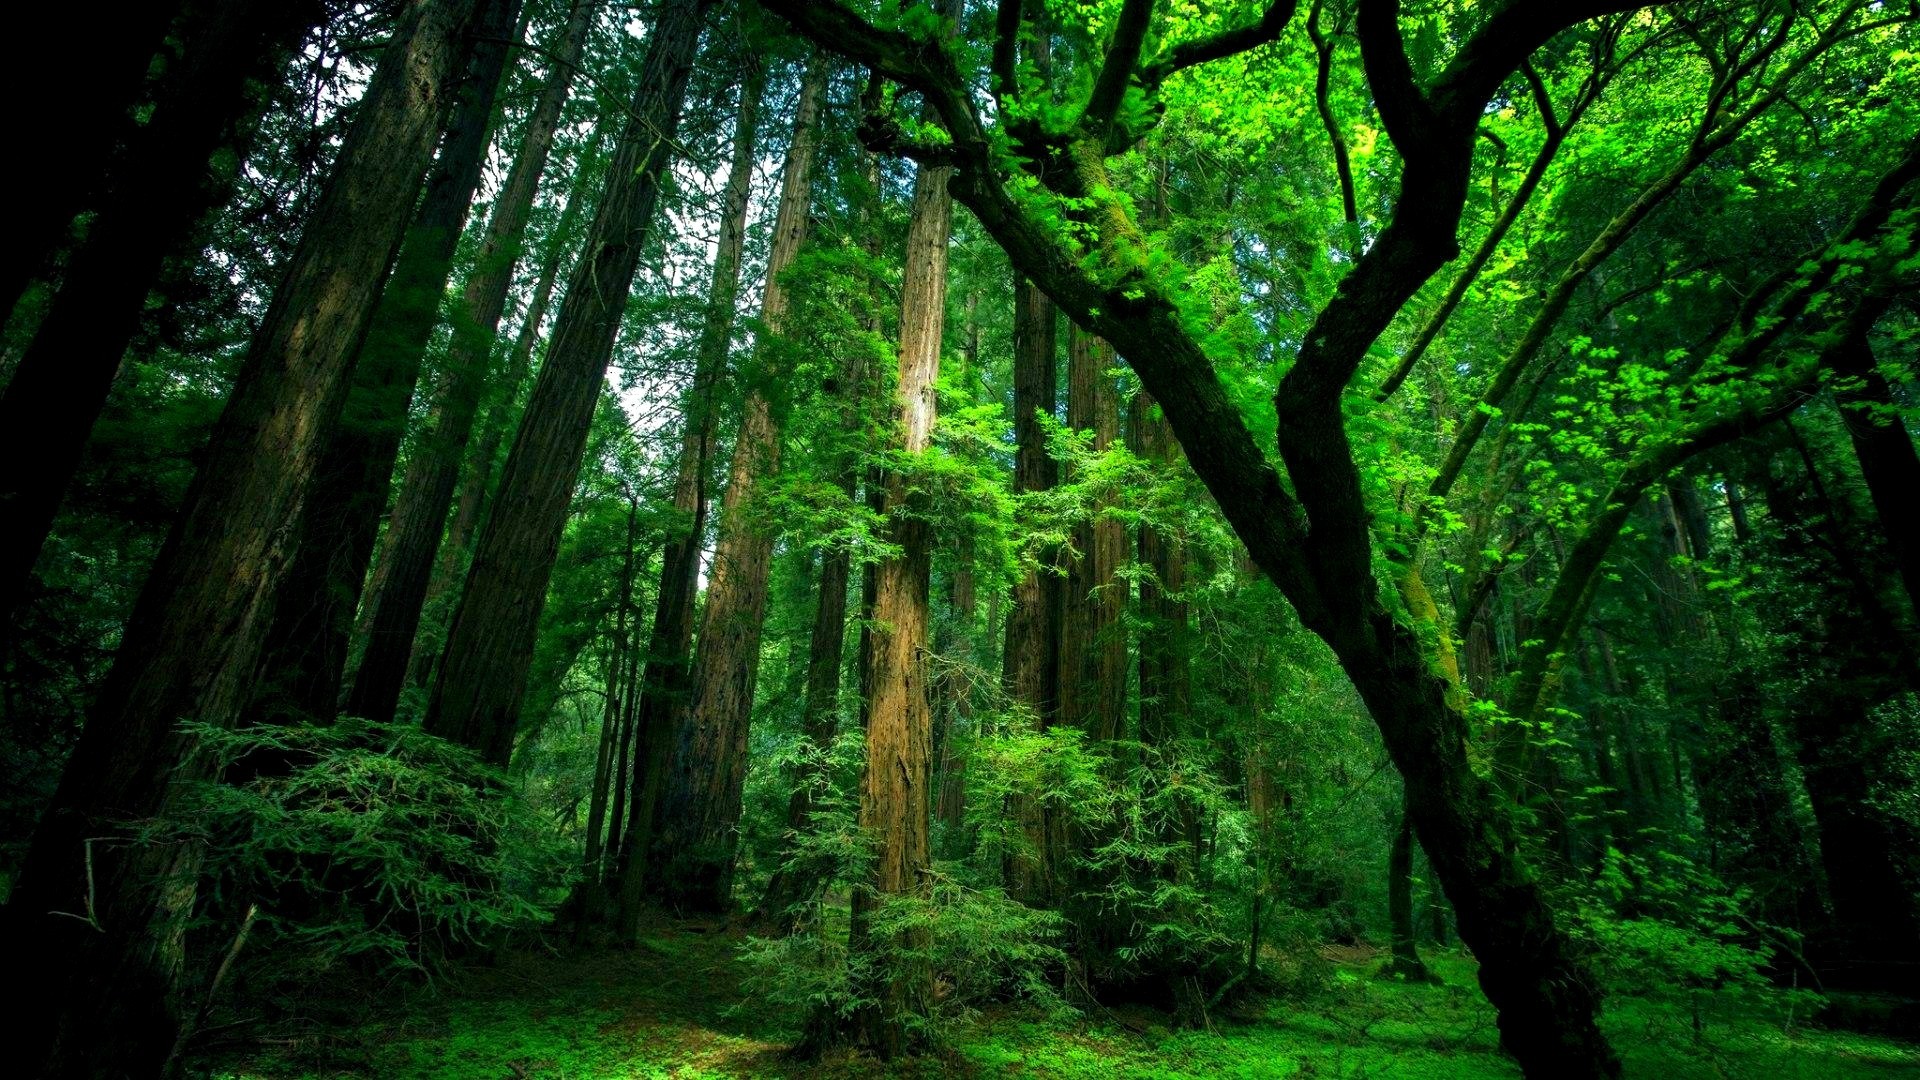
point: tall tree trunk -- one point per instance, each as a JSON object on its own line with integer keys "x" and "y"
{"x": 398, "y": 593}
{"x": 1884, "y": 449}
{"x": 792, "y": 884}
{"x": 701, "y": 747}
{"x": 85, "y": 114}
{"x": 477, "y": 690}
{"x": 1406, "y": 942}
{"x": 610, "y": 718}
{"x": 895, "y": 785}
{"x": 158, "y": 194}
{"x": 1030, "y": 659}
{"x": 1166, "y": 684}
{"x": 306, "y": 647}
{"x": 1093, "y": 645}
{"x": 477, "y": 476}
{"x": 700, "y": 883}
{"x": 101, "y": 984}
{"x": 957, "y": 706}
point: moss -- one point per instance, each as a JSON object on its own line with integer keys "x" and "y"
{"x": 674, "y": 1008}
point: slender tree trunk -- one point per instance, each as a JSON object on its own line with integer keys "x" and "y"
{"x": 950, "y": 803}
{"x": 306, "y": 647}
{"x": 793, "y": 884}
{"x": 1166, "y": 684}
{"x": 101, "y": 1002}
{"x": 1031, "y": 670}
{"x": 895, "y": 785}
{"x": 161, "y": 190}
{"x": 398, "y": 593}
{"x": 665, "y": 687}
{"x": 1406, "y": 942}
{"x": 1093, "y": 645}
{"x": 610, "y": 720}
{"x": 1884, "y": 449}
{"x": 477, "y": 478}
{"x": 623, "y": 762}
{"x": 477, "y": 690}
{"x": 702, "y": 872}
{"x": 85, "y": 112}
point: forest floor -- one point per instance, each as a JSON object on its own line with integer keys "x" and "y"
{"x": 676, "y": 1008}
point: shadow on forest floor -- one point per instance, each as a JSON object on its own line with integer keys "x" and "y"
{"x": 675, "y": 1007}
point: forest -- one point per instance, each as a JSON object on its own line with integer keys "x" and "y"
{"x": 1040, "y": 538}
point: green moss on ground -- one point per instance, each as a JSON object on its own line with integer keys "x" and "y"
{"x": 675, "y": 1008}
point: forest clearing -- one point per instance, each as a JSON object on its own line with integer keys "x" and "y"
{"x": 846, "y": 538}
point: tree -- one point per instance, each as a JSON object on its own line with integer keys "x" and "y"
{"x": 103, "y": 1003}
{"x": 476, "y": 693}
{"x": 307, "y": 642}
{"x": 398, "y": 591}
{"x": 159, "y": 193}
{"x": 1313, "y": 539}
{"x": 896, "y": 783}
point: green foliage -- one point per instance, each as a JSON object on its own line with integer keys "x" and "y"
{"x": 1665, "y": 928}
{"x": 372, "y": 843}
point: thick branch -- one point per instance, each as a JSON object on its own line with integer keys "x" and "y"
{"x": 1117, "y": 69}
{"x": 1219, "y": 46}
{"x": 1529, "y": 184}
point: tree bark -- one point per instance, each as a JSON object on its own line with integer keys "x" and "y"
{"x": 101, "y": 1003}
{"x": 1030, "y": 658}
{"x": 794, "y": 884}
{"x": 483, "y": 673}
{"x": 305, "y": 658}
{"x": 895, "y": 785}
{"x": 736, "y": 606}
{"x": 158, "y": 193}
{"x": 1166, "y": 685}
{"x": 1093, "y": 644}
{"x": 398, "y": 593}
{"x": 610, "y": 718}
{"x": 695, "y": 837}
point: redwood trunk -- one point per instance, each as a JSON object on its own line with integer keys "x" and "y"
{"x": 306, "y": 648}
{"x": 1031, "y": 671}
{"x": 398, "y": 593}
{"x": 477, "y": 690}
{"x": 895, "y": 785}
{"x": 704, "y": 749}
{"x": 1166, "y": 684}
{"x": 1093, "y": 645}
{"x": 101, "y": 1002}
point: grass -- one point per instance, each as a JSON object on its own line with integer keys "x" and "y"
{"x": 675, "y": 1008}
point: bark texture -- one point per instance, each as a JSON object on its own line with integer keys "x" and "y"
{"x": 896, "y": 783}
{"x": 306, "y": 648}
{"x": 1030, "y": 658}
{"x": 398, "y": 592}
{"x": 1093, "y": 644}
{"x": 489, "y": 649}
{"x": 706, "y": 745}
